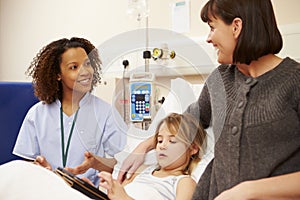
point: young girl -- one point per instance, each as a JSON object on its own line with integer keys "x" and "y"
{"x": 179, "y": 140}
{"x": 69, "y": 123}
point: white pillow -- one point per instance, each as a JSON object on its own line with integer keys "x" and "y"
{"x": 181, "y": 95}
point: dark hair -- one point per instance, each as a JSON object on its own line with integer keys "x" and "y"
{"x": 188, "y": 130}
{"x": 259, "y": 36}
{"x": 45, "y": 67}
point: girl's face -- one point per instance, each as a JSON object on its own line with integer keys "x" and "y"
{"x": 223, "y": 37}
{"x": 171, "y": 152}
{"x": 76, "y": 71}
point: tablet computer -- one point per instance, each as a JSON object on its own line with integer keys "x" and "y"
{"x": 81, "y": 185}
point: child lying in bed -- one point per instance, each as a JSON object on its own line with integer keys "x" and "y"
{"x": 179, "y": 142}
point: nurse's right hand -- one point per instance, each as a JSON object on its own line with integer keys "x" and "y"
{"x": 41, "y": 161}
{"x": 89, "y": 162}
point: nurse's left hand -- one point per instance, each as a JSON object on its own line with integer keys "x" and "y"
{"x": 89, "y": 162}
{"x": 42, "y": 161}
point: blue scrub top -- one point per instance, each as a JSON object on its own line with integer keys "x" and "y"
{"x": 99, "y": 129}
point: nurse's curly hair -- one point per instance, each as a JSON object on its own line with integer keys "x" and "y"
{"x": 45, "y": 67}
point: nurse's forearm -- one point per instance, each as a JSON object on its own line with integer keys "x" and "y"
{"x": 105, "y": 164}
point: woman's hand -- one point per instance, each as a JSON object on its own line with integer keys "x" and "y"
{"x": 238, "y": 192}
{"x": 115, "y": 190}
{"x": 284, "y": 186}
{"x": 89, "y": 162}
{"x": 41, "y": 161}
{"x": 135, "y": 159}
{"x": 130, "y": 165}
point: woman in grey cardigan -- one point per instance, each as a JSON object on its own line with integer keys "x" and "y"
{"x": 252, "y": 102}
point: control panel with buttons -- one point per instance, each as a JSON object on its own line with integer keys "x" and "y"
{"x": 140, "y": 99}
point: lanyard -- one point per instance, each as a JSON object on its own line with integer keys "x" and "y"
{"x": 65, "y": 153}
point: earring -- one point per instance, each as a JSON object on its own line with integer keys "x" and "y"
{"x": 193, "y": 157}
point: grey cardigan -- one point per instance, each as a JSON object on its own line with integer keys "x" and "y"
{"x": 255, "y": 122}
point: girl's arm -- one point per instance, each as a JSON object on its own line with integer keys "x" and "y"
{"x": 185, "y": 188}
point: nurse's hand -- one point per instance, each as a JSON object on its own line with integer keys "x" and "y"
{"x": 89, "y": 162}
{"x": 88, "y": 181}
{"x": 41, "y": 161}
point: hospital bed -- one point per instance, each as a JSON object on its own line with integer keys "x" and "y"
{"x": 15, "y": 100}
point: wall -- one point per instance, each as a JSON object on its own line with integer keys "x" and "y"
{"x": 26, "y": 26}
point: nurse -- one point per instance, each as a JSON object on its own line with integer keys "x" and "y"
{"x": 69, "y": 123}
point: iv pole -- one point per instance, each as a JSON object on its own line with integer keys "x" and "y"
{"x": 147, "y": 57}
{"x": 147, "y": 53}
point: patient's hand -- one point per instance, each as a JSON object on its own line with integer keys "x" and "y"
{"x": 41, "y": 161}
{"x": 89, "y": 162}
{"x": 115, "y": 190}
